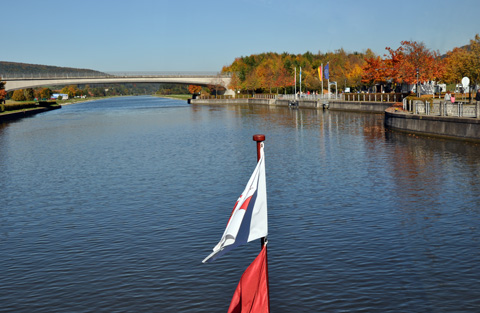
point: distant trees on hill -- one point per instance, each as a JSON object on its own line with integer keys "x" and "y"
{"x": 14, "y": 68}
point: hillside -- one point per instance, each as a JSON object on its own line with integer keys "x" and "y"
{"x": 14, "y": 68}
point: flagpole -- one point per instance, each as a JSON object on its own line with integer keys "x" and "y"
{"x": 300, "y": 81}
{"x": 322, "y": 80}
{"x": 328, "y": 63}
{"x": 295, "y": 83}
{"x": 259, "y": 138}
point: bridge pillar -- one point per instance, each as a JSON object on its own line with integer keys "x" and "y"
{"x": 230, "y": 92}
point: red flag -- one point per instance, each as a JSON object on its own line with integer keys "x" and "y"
{"x": 251, "y": 295}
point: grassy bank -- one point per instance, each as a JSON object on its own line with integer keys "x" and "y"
{"x": 11, "y": 106}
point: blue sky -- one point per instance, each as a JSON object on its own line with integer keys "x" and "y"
{"x": 195, "y": 35}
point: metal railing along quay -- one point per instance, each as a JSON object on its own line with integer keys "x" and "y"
{"x": 374, "y": 97}
{"x": 310, "y": 97}
{"x": 442, "y": 108}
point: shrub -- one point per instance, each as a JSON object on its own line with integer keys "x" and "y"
{"x": 423, "y": 98}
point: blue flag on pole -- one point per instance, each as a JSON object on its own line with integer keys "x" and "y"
{"x": 326, "y": 73}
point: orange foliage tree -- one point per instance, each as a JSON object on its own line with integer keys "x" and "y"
{"x": 401, "y": 65}
{"x": 193, "y": 89}
{"x": 415, "y": 56}
{"x": 3, "y": 93}
{"x": 374, "y": 70}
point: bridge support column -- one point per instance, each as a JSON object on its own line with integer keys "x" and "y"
{"x": 230, "y": 92}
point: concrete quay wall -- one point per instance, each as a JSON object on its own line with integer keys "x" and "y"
{"x": 368, "y": 107}
{"x": 233, "y": 101}
{"x": 465, "y": 128}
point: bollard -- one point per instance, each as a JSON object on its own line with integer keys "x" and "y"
{"x": 477, "y": 110}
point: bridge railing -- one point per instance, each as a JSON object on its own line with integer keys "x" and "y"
{"x": 73, "y": 75}
{"x": 168, "y": 74}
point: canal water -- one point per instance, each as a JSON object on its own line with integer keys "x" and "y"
{"x": 111, "y": 205}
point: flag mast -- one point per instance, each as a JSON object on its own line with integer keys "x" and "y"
{"x": 321, "y": 78}
{"x": 259, "y": 138}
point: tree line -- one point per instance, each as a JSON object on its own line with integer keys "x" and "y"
{"x": 412, "y": 62}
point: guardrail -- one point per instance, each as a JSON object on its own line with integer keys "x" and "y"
{"x": 442, "y": 108}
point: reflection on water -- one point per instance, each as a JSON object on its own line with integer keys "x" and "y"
{"x": 111, "y": 206}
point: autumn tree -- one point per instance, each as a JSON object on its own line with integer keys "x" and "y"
{"x": 45, "y": 93}
{"x": 283, "y": 79}
{"x": 3, "y": 93}
{"x": 193, "y": 89}
{"x": 463, "y": 62}
{"x": 235, "y": 82}
{"x": 18, "y": 95}
{"x": 410, "y": 61}
{"x": 354, "y": 75}
{"x": 29, "y": 94}
{"x": 415, "y": 57}
{"x": 374, "y": 70}
{"x": 71, "y": 91}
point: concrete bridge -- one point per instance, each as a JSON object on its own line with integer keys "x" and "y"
{"x": 22, "y": 81}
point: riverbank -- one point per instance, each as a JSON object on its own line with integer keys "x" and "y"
{"x": 17, "y": 114}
